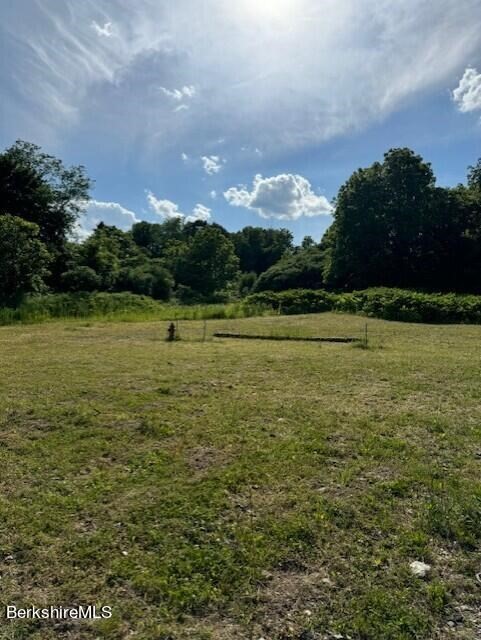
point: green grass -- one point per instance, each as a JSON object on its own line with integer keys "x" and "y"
{"x": 233, "y": 489}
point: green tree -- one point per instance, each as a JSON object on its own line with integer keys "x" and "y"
{"x": 383, "y": 215}
{"x": 156, "y": 238}
{"x": 474, "y": 176}
{"x": 39, "y": 188}
{"x": 81, "y": 278}
{"x": 258, "y": 248}
{"x": 24, "y": 259}
{"x": 209, "y": 262}
{"x": 107, "y": 251}
{"x": 301, "y": 270}
{"x": 150, "y": 279}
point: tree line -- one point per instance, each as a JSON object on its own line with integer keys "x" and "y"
{"x": 392, "y": 227}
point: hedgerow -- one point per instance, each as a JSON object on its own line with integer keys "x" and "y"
{"x": 388, "y": 304}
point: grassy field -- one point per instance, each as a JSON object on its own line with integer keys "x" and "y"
{"x": 232, "y": 489}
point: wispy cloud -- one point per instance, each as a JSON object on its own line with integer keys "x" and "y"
{"x": 103, "y": 31}
{"x": 111, "y": 213}
{"x": 285, "y": 197}
{"x": 330, "y": 68}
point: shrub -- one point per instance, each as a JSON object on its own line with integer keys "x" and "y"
{"x": 81, "y": 279}
{"x": 388, "y": 304}
{"x": 148, "y": 280}
{"x": 412, "y": 306}
{"x": 303, "y": 269}
{"x": 295, "y": 300}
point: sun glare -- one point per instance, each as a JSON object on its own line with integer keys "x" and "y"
{"x": 269, "y": 9}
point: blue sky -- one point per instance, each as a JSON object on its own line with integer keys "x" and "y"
{"x": 251, "y": 112}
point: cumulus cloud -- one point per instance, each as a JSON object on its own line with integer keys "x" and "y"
{"x": 467, "y": 94}
{"x": 105, "y": 30}
{"x": 111, "y": 213}
{"x": 212, "y": 164}
{"x": 164, "y": 208}
{"x": 285, "y": 197}
{"x": 168, "y": 210}
{"x": 199, "y": 212}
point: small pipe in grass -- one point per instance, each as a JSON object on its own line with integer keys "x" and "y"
{"x": 245, "y": 336}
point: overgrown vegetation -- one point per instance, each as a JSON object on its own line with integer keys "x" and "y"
{"x": 389, "y": 304}
{"x": 119, "y": 306}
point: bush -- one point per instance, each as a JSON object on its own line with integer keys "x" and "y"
{"x": 23, "y": 259}
{"x": 388, "y": 304}
{"x": 303, "y": 269}
{"x": 148, "y": 280}
{"x": 81, "y": 279}
{"x": 246, "y": 283}
{"x": 412, "y": 306}
{"x": 295, "y": 301}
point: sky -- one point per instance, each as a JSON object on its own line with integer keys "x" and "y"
{"x": 245, "y": 112}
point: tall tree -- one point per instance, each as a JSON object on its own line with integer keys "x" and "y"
{"x": 258, "y": 248}
{"x": 39, "y": 188}
{"x": 382, "y": 216}
{"x": 209, "y": 262}
{"x": 474, "y": 176}
{"x": 109, "y": 250}
{"x": 24, "y": 259}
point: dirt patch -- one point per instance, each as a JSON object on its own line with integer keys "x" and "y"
{"x": 288, "y": 600}
{"x": 215, "y": 628}
{"x": 201, "y": 459}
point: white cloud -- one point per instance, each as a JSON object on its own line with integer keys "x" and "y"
{"x": 179, "y": 94}
{"x": 200, "y": 212}
{"x": 167, "y": 209}
{"x": 111, "y": 213}
{"x": 467, "y": 94}
{"x": 212, "y": 164}
{"x": 164, "y": 208}
{"x": 105, "y": 31}
{"x": 213, "y": 194}
{"x": 181, "y": 107}
{"x": 285, "y": 197}
{"x": 184, "y": 157}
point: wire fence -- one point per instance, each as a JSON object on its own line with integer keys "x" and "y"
{"x": 320, "y": 328}
{"x": 276, "y": 328}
